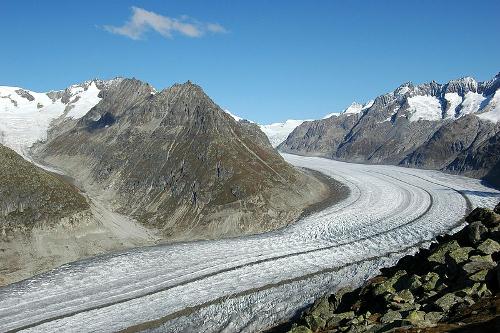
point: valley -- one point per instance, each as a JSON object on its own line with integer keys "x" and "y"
{"x": 249, "y": 283}
{"x": 249, "y": 166}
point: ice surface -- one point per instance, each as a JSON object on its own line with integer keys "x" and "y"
{"x": 278, "y": 132}
{"x": 454, "y": 100}
{"x": 493, "y": 112}
{"x": 248, "y": 283}
{"x": 424, "y": 108}
{"x": 472, "y": 103}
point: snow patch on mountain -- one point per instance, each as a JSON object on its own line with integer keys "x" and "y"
{"x": 453, "y": 100}
{"x": 276, "y": 132}
{"x": 424, "y": 108}
{"x": 472, "y": 103}
{"x": 83, "y": 101}
{"x": 494, "y": 113}
{"x": 235, "y": 117}
{"x": 356, "y": 108}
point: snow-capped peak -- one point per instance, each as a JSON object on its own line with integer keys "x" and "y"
{"x": 356, "y": 108}
{"x": 25, "y": 115}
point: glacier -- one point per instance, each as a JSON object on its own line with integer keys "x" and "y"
{"x": 250, "y": 283}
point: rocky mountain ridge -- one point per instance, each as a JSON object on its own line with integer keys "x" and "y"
{"x": 175, "y": 161}
{"x": 451, "y": 127}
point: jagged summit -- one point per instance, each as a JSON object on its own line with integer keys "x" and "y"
{"x": 452, "y": 126}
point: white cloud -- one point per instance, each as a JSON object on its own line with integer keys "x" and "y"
{"x": 143, "y": 21}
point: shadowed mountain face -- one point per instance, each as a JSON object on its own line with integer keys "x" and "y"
{"x": 176, "y": 161}
{"x": 451, "y": 127}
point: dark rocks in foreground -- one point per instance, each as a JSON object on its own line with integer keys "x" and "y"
{"x": 452, "y": 286}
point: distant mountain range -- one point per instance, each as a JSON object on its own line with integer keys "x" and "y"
{"x": 452, "y": 127}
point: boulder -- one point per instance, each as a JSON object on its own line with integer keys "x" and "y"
{"x": 472, "y": 267}
{"x": 315, "y": 322}
{"x": 417, "y": 318}
{"x": 300, "y": 329}
{"x": 479, "y": 276}
{"x": 339, "y": 318}
{"x": 477, "y": 290}
{"x": 469, "y": 291}
{"x": 460, "y": 255}
{"x": 387, "y": 286}
{"x": 485, "y": 215}
{"x": 433, "y": 317}
{"x": 497, "y": 208}
{"x": 335, "y": 299}
{"x": 429, "y": 281}
{"x": 390, "y": 316}
{"x": 447, "y": 301}
{"x": 361, "y": 328}
{"x": 320, "y": 308}
{"x": 404, "y": 296}
{"x": 486, "y": 258}
{"x": 476, "y": 232}
{"x": 410, "y": 282}
{"x": 404, "y": 306}
{"x": 483, "y": 291}
{"x": 439, "y": 254}
{"x": 358, "y": 320}
{"x": 489, "y": 246}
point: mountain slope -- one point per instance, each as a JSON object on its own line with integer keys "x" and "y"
{"x": 176, "y": 161}
{"x": 46, "y": 222}
{"x": 429, "y": 126}
{"x": 30, "y": 196}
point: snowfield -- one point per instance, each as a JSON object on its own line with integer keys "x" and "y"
{"x": 25, "y": 116}
{"x": 250, "y": 283}
{"x": 278, "y": 132}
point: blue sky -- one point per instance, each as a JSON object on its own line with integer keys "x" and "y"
{"x": 263, "y": 60}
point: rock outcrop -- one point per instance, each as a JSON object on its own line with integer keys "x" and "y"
{"x": 453, "y": 284}
{"x": 452, "y": 127}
